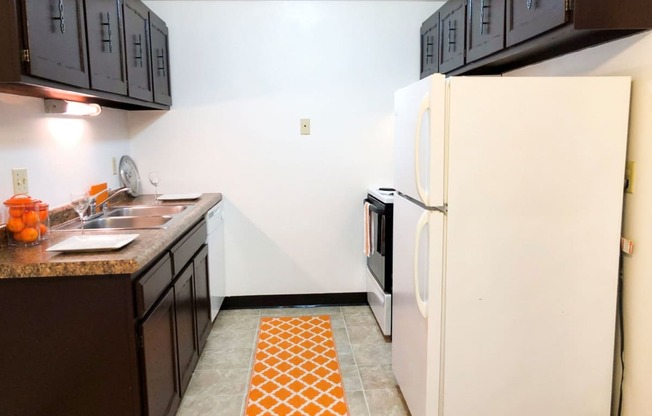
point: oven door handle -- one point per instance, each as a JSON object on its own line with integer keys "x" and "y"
{"x": 373, "y": 208}
{"x": 381, "y": 232}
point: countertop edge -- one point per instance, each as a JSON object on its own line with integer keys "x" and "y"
{"x": 36, "y": 262}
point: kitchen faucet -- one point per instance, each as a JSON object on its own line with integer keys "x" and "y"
{"x": 104, "y": 205}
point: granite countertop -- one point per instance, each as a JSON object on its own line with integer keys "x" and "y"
{"x": 21, "y": 262}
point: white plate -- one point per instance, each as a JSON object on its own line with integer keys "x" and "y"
{"x": 94, "y": 242}
{"x": 178, "y": 197}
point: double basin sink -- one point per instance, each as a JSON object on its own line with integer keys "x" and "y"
{"x": 129, "y": 218}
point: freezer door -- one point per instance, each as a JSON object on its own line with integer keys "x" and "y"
{"x": 418, "y": 245}
{"x": 419, "y": 140}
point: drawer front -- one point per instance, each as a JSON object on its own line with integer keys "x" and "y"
{"x": 184, "y": 250}
{"x": 152, "y": 285}
{"x": 485, "y": 31}
{"x": 452, "y": 34}
{"x": 430, "y": 46}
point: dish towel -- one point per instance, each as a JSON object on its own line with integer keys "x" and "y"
{"x": 366, "y": 231}
{"x": 370, "y": 230}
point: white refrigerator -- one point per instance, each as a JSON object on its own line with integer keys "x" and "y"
{"x": 506, "y": 243}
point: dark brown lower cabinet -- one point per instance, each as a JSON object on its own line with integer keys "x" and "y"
{"x": 159, "y": 358}
{"x": 203, "y": 300}
{"x": 68, "y": 347}
{"x": 116, "y": 345}
{"x": 184, "y": 299}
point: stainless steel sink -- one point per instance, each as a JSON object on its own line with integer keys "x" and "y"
{"x": 146, "y": 210}
{"x": 127, "y": 223}
{"x": 130, "y": 218}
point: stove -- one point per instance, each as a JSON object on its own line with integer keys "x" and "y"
{"x": 379, "y": 222}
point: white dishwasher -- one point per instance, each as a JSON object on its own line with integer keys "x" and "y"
{"x": 216, "y": 267}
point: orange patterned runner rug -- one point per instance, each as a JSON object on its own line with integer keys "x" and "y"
{"x": 296, "y": 372}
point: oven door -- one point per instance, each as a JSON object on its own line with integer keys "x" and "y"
{"x": 376, "y": 261}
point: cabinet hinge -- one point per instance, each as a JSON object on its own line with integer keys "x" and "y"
{"x": 569, "y": 5}
{"x": 25, "y": 55}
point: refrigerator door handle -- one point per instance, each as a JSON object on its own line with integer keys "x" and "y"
{"x": 425, "y": 106}
{"x": 421, "y": 225}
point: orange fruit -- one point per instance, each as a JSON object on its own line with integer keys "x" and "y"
{"x": 29, "y": 234}
{"x": 43, "y": 214}
{"x": 16, "y": 212}
{"x": 15, "y": 225}
{"x": 30, "y": 218}
{"x": 17, "y": 236}
{"x": 43, "y": 229}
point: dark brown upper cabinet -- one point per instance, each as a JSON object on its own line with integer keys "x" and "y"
{"x": 502, "y": 35}
{"x": 485, "y": 28}
{"x": 55, "y": 46}
{"x": 106, "y": 52}
{"x": 452, "y": 28}
{"x": 528, "y": 18}
{"x": 160, "y": 59}
{"x": 430, "y": 45}
{"x": 139, "y": 72}
{"x": 76, "y": 50}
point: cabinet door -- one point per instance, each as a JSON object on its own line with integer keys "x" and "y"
{"x": 452, "y": 20}
{"x": 160, "y": 59}
{"x": 159, "y": 353}
{"x": 430, "y": 46}
{"x": 202, "y": 296}
{"x": 184, "y": 299}
{"x": 485, "y": 29}
{"x": 56, "y": 40}
{"x": 528, "y": 18}
{"x": 106, "y": 54}
{"x": 139, "y": 72}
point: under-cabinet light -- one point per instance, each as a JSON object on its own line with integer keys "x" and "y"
{"x": 71, "y": 108}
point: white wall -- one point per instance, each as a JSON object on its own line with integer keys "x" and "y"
{"x": 243, "y": 74}
{"x": 631, "y": 56}
{"x": 60, "y": 154}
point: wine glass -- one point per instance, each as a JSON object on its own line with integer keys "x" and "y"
{"x": 153, "y": 179}
{"x": 80, "y": 202}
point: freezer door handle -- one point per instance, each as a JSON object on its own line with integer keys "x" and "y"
{"x": 421, "y": 304}
{"x": 423, "y": 108}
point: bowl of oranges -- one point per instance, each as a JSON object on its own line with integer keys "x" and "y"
{"x": 26, "y": 220}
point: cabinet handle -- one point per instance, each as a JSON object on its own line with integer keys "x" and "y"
{"x": 451, "y": 31}
{"x": 529, "y": 4}
{"x": 429, "y": 48}
{"x": 483, "y": 6}
{"x": 61, "y": 19}
{"x": 108, "y": 25}
{"x": 139, "y": 51}
{"x": 160, "y": 59}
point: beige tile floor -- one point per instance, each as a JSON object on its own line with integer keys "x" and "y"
{"x": 219, "y": 384}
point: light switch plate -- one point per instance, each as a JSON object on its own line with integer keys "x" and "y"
{"x": 19, "y": 177}
{"x": 305, "y": 126}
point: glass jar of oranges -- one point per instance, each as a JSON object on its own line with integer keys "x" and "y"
{"x": 43, "y": 210}
{"x": 23, "y": 222}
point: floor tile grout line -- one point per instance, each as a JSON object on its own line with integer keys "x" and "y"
{"x": 355, "y": 362}
{"x": 251, "y": 365}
